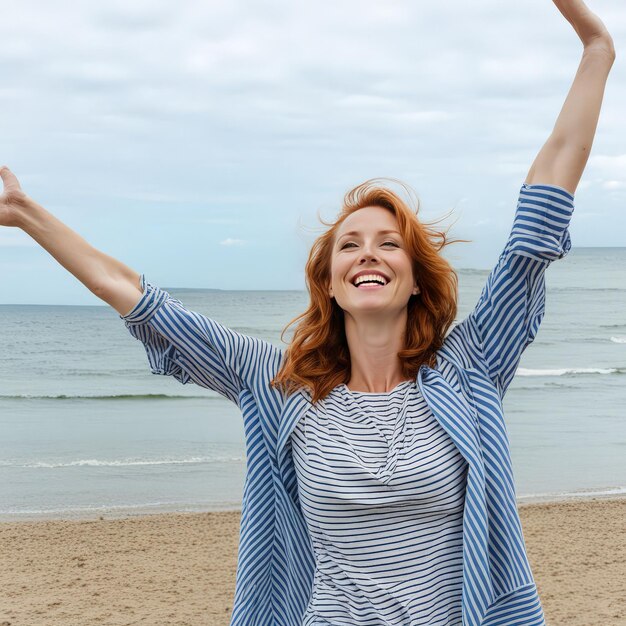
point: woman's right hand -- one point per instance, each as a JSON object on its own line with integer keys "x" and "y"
{"x": 12, "y": 200}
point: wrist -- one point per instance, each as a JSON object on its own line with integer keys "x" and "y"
{"x": 602, "y": 46}
{"x": 25, "y": 212}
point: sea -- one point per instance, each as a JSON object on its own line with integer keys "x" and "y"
{"x": 87, "y": 430}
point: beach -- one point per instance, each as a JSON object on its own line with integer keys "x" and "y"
{"x": 178, "y": 569}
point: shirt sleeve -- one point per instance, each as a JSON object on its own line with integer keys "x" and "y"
{"x": 512, "y": 303}
{"x": 192, "y": 347}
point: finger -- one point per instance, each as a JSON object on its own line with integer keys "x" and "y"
{"x": 9, "y": 179}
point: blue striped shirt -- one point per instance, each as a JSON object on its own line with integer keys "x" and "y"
{"x": 464, "y": 391}
{"x": 382, "y": 490}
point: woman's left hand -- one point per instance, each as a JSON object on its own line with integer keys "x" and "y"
{"x": 588, "y": 26}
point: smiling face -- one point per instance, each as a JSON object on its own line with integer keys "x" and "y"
{"x": 362, "y": 245}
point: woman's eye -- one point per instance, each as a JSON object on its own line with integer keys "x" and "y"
{"x": 393, "y": 243}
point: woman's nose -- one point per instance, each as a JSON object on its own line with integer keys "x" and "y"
{"x": 367, "y": 254}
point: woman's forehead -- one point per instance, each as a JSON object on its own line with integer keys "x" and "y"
{"x": 368, "y": 219}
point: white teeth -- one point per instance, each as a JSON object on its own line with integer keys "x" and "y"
{"x": 365, "y": 277}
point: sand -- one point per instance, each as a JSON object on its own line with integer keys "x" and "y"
{"x": 179, "y": 568}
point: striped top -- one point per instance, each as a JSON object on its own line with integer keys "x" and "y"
{"x": 382, "y": 489}
{"x": 464, "y": 391}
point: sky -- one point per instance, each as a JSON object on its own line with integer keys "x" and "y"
{"x": 198, "y": 142}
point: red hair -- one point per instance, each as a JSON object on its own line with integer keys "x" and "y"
{"x": 318, "y": 356}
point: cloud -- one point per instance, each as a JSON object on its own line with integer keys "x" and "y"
{"x": 614, "y": 184}
{"x": 165, "y": 117}
{"x": 608, "y": 166}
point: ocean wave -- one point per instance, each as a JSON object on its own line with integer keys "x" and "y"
{"x": 141, "y": 396}
{"x": 567, "y": 371}
{"x": 195, "y": 460}
{"x": 113, "y": 373}
{"x": 551, "y": 385}
{"x": 619, "y": 339}
{"x": 579, "y": 288}
{"x": 583, "y": 493}
{"x": 473, "y": 271}
{"x": 114, "y": 510}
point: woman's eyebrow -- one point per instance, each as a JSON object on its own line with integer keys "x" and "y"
{"x": 380, "y": 232}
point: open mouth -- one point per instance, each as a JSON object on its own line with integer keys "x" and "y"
{"x": 369, "y": 286}
{"x": 370, "y": 282}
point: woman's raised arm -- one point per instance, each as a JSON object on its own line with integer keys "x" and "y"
{"x": 563, "y": 158}
{"x": 511, "y": 306}
{"x": 184, "y": 344}
{"x": 107, "y": 278}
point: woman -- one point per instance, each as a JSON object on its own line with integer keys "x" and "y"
{"x": 379, "y": 487}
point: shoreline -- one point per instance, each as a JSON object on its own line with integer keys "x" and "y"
{"x": 132, "y": 512}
